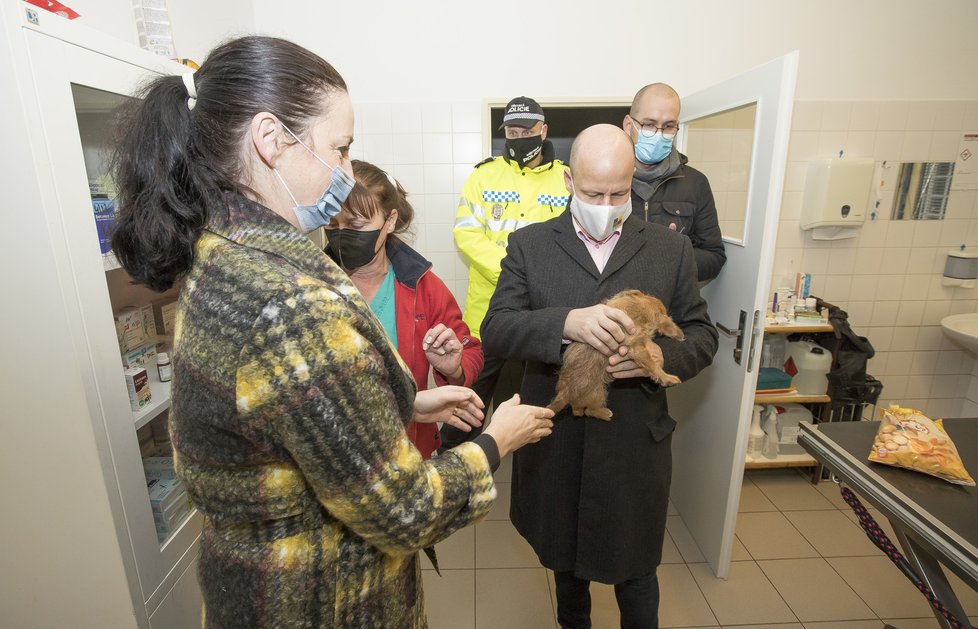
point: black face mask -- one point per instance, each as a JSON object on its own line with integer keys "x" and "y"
{"x": 351, "y": 249}
{"x": 524, "y": 150}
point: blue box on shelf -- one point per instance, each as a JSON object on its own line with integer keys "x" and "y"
{"x": 104, "y": 209}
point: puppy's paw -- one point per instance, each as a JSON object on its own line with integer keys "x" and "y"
{"x": 601, "y": 413}
{"x": 668, "y": 380}
{"x": 578, "y": 411}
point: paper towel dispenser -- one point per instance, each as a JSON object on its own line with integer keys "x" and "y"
{"x": 836, "y": 197}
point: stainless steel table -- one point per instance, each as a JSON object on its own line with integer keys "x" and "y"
{"x": 935, "y": 522}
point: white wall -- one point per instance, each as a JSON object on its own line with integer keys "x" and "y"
{"x": 197, "y": 26}
{"x": 441, "y": 50}
{"x": 888, "y": 278}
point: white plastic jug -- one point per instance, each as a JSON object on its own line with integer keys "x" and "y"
{"x": 808, "y": 363}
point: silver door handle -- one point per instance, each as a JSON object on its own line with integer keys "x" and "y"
{"x": 728, "y": 331}
{"x": 738, "y": 334}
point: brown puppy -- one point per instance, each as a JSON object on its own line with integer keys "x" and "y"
{"x": 584, "y": 379}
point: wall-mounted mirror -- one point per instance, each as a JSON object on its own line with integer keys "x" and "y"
{"x": 921, "y": 190}
{"x": 720, "y": 145}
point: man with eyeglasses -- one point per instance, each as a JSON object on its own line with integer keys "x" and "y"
{"x": 665, "y": 188}
{"x": 523, "y": 186}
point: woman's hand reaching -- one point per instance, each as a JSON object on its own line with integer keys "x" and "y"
{"x": 453, "y": 405}
{"x": 514, "y": 425}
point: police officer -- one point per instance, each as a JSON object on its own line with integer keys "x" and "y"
{"x": 524, "y": 185}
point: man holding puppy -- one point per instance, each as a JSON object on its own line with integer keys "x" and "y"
{"x": 591, "y": 499}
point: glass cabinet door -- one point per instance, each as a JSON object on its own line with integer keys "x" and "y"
{"x": 78, "y": 92}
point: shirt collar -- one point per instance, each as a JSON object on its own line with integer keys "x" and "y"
{"x": 586, "y": 237}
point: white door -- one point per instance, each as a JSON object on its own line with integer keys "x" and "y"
{"x": 738, "y": 131}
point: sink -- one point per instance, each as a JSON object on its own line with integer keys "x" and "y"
{"x": 963, "y": 330}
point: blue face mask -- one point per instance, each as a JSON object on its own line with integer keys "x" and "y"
{"x": 329, "y": 204}
{"x": 652, "y": 148}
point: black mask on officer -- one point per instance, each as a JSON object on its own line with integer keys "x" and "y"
{"x": 524, "y": 150}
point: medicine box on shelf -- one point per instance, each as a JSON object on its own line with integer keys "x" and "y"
{"x": 137, "y": 382}
{"x": 159, "y": 467}
{"x": 164, "y": 314}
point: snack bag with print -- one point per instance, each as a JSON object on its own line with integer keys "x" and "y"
{"x": 908, "y": 438}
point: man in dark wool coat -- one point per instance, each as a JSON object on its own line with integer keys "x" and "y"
{"x": 591, "y": 499}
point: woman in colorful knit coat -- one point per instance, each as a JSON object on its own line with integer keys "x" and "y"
{"x": 289, "y": 405}
{"x": 417, "y": 310}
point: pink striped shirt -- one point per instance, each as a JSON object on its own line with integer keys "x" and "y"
{"x": 600, "y": 251}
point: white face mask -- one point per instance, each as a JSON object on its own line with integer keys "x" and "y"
{"x": 600, "y": 221}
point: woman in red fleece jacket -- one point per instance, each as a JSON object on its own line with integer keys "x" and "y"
{"x": 417, "y": 310}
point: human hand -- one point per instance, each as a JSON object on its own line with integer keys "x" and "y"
{"x": 456, "y": 406}
{"x": 621, "y": 366}
{"x": 444, "y": 352}
{"x": 514, "y": 425}
{"x": 600, "y": 326}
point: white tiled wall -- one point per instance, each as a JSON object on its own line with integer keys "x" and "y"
{"x": 431, "y": 149}
{"x": 889, "y": 277}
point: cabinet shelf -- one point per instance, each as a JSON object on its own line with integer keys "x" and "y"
{"x": 795, "y": 328}
{"x": 789, "y": 460}
{"x": 791, "y": 398}
{"x": 783, "y": 460}
{"x": 159, "y": 402}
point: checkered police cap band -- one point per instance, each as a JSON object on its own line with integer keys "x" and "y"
{"x": 521, "y": 116}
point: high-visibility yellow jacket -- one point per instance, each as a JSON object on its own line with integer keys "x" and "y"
{"x": 498, "y": 198}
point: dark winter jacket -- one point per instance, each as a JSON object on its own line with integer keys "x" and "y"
{"x": 685, "y": 198}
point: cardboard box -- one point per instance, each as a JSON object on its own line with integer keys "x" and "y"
{"x": 159, "y": 467}
{"x": 170, "y": 504}
{"x": 105, "y": 215}
{"x": 135, "y": 327}
{"x": 163, "y": 494}
{"x": 164, "y": 315}
{"x": 149, "y": 323}
{"x": 130, "y": 329}
{"x": 142, "y": 357}
{"x": 167, "y": 527}
{"x": 137, "y": 381}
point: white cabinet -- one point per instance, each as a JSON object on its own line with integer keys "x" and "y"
{"x": 789, "y": 460}
{"x": 74, "y": 436}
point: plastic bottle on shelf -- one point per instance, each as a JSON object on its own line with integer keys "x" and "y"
{"x": 769, "y": 424}
{"x": 755, "y": 440}
{"x": 164, "y": 367}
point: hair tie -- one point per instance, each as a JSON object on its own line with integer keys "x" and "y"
{"x": 391, "y": 179}
{"x": 188, "y": 81}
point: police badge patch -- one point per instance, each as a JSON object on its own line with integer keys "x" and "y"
{"x": 497, "y": 211}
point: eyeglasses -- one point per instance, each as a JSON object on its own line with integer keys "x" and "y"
{"x": 668, "y": 130}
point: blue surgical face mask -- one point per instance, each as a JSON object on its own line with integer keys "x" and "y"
{"x": 330, "y": 202}
{"x": 652, "y": 148}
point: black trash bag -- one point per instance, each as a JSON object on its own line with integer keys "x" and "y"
{"x": 849, "y": 383}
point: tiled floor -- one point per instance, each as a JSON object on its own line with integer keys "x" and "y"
{"x": 799, "y": 562}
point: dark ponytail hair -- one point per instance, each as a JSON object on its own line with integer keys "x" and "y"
{"x": 173, "y": 165}
{"x": 376, "y": 192}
